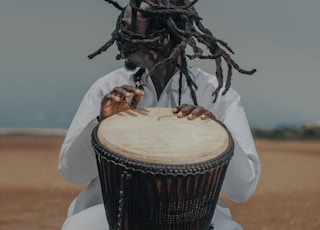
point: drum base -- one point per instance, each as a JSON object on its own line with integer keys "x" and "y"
{"x": 138, "y": 201}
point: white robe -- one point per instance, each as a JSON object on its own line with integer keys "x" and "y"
{"x": 77, "y": 161}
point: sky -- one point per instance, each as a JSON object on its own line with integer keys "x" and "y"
{"x": 44, "y": 70}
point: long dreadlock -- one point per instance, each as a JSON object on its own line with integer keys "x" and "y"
{"x": 180, "y": 19}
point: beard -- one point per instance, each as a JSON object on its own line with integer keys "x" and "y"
{"x": 129, "y": 65}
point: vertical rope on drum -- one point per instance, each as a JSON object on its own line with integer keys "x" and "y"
{"x": 102, "y": 179}
{"x": 125, "y": 176}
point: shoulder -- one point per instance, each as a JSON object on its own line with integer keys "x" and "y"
{"x": 207, "y": 83}
{"x": 202, "y": 77}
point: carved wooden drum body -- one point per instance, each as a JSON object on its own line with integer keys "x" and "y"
{"x": 160, "y": 172}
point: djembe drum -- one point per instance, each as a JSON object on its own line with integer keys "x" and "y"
{"x": 160, "y": 172}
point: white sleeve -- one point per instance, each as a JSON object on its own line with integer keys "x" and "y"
{"x": 77, "y": 162}
{"x": 244, "y": 168}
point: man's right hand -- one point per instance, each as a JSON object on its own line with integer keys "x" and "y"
{"x": 120, "y": 99}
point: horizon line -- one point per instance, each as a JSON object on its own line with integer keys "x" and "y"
{"x": 49, "y": 132}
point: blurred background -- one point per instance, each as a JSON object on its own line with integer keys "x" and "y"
{"x": 44, "y": 73}
{"x": 44, "y": 70}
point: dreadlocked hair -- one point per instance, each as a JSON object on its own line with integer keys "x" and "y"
{"x": 181, "y": 21}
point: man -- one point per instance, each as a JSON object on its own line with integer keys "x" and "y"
{"x": 152, "y": 36}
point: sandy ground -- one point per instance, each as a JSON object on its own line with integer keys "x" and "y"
{"x": 35, "y": 197}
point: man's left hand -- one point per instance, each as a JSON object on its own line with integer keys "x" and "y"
{"x": 192, "y": 112}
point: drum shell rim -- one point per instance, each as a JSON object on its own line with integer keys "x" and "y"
{"x": 159, "y": 168}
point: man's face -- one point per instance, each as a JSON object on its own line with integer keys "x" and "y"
{"x": 135, "y": 55}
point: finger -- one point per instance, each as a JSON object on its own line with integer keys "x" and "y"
{"x": 208, "y": 115}
{"x": 109, "y": 98}
{"x": 135, "y": 100}
{"x": 196, "y": 112}
{"x": 133, "y": 90}
{"x": 121, "y": 92}
{"x": 185, "y": 111}
{"x": 136, "y": 95}
{"x": 178, "y": 108}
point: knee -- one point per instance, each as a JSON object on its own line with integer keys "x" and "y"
{"x": 93, "y": 218}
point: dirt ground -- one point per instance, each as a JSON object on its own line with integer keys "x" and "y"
{"x": 34, "y": 196}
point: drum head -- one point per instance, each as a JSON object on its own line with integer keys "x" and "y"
{"x": 156, "y": 135}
